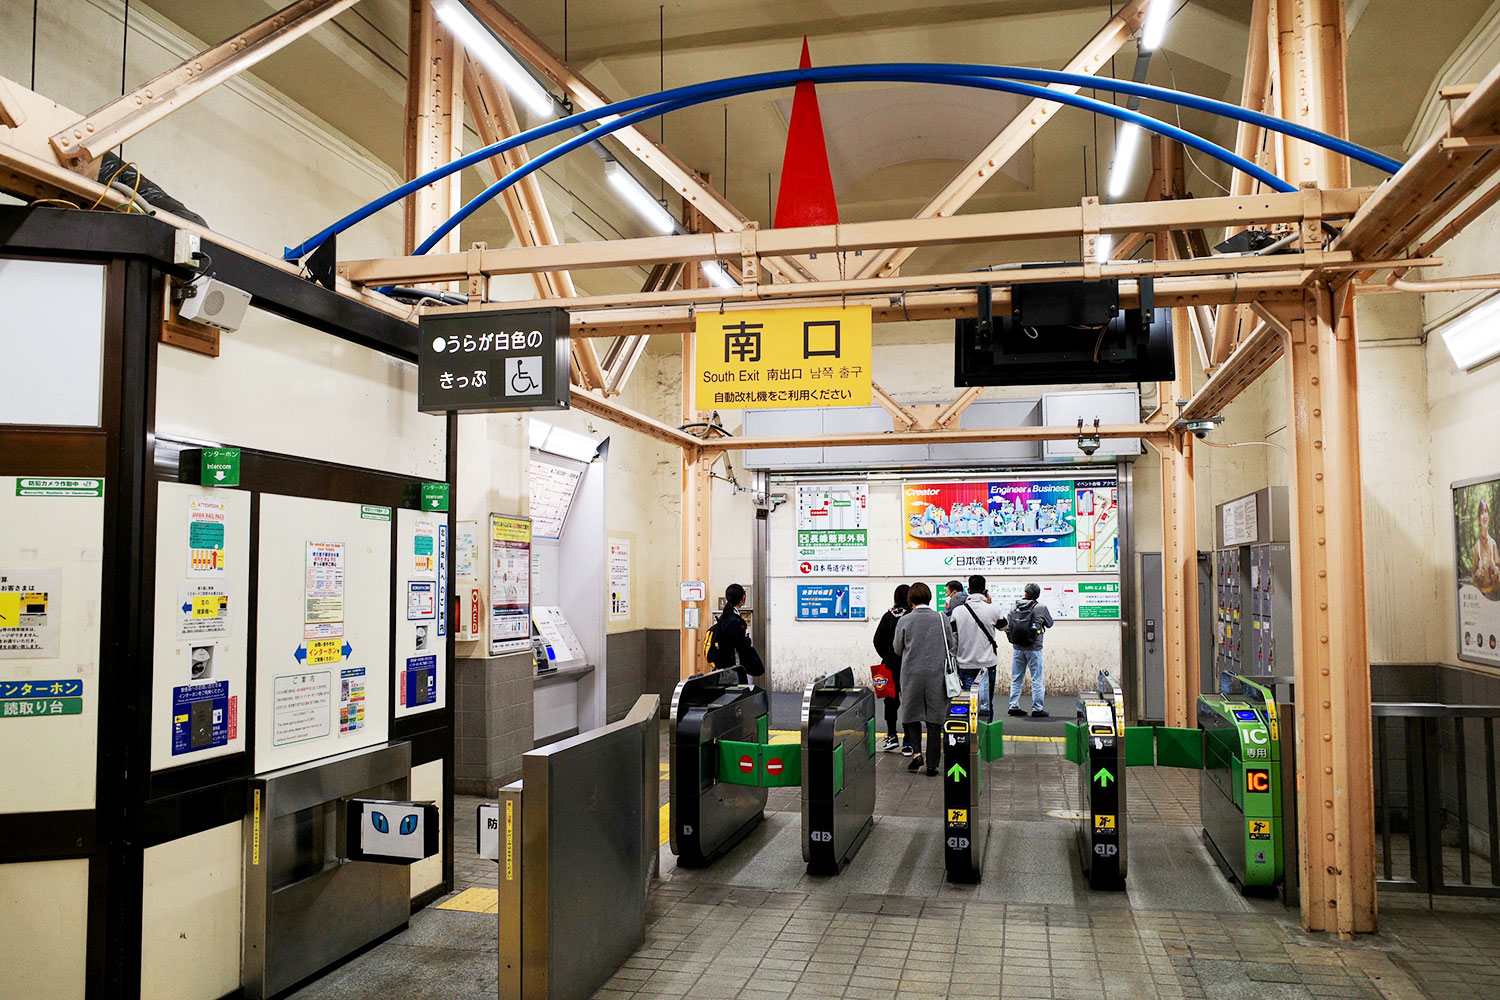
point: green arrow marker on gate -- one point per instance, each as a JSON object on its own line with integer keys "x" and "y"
{"x": 956, "y": 771}
{"x": 1103, "y": 777}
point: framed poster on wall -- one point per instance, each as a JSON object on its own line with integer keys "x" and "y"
{"x": 1052, "y": 526}
{"x": 1477, "y": 561}
{"x": 510, "y": 584}
{"x": 833, "y": 529}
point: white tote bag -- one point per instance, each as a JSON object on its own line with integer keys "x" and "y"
{"x": 955, "y": 686}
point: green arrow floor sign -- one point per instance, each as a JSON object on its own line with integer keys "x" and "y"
{"x": 1103, "y": 777}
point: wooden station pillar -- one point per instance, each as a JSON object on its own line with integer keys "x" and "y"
{"x": 1335, "y": 793}
{"x": 434, "y": 126}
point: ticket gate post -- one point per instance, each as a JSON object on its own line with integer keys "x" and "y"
{"x": 1101, "y": 783}
{"x": 1246, "y": 778}
{"x": 838, "y": 771}
{"x": 968, "y": 744}
{"x": 709, "y": 814}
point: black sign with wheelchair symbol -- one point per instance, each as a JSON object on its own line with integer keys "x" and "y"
{"x": 493, "y": 361}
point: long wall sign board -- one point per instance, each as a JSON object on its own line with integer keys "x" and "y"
{"x": 1012, "y": 526}
{"x": 783, "y": 358}
{"x": 493, "y": 361}
{"x": 833, "y": 530}
{"x": 510, "y": 584}
{"x": 1478, "y": 563}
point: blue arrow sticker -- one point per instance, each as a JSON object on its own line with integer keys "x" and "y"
{"x": 301, "y": 653}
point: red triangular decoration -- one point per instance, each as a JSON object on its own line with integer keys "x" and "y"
{"x": 806, "y": 195}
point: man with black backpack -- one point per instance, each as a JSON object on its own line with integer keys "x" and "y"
{"x": 729, "y": 639}
{"x": 975, "y": 621}
{"x": 1024, "y": 626}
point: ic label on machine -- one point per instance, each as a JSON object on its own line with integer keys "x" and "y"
{"x": 1257, "y": 779}
{"x": 958, "y": 815}
{"x": 1257, "y": 753}
{"x": 1256, "y": 735}
{"x": 1104, "y": 823}
{"x": 1259, "y": 829}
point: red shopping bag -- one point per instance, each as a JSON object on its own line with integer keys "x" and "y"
{"x": 885, "y": 684}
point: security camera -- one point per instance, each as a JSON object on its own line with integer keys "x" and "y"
{"x": 1088, "y": 443}
{"x": 1200, "y": 428}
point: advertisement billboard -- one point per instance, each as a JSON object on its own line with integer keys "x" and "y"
{"x": 1013, "y": 526}
{"x": 1478, "y": 565}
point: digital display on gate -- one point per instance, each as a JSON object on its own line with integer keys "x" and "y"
{"x": 1246, "y": 714}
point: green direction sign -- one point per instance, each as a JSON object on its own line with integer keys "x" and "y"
{"x": 35, "y": 708}
{"x": 31, "y": 487}
{"x": 435, "y": 496}
{"x": 956, "y": 772}
{"x": 219, "y": 467}
{"x": 1103, "y": 777}
{"x": 374, "y": 512}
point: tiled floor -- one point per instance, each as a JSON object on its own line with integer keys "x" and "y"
{"x": 755, "y": 925}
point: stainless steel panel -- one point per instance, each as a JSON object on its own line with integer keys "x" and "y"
{"x": 1153, "y": 673}
{"x": 988, "y": 413}
{"x": 782, "y": 423}
{"x": 304, "y": 908}
{"x": 586, "y": 854}
{"x": 863, "y": 419}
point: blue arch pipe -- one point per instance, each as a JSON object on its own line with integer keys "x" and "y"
{"x": 926, "y": 72}
{"x": 983, "y": 83}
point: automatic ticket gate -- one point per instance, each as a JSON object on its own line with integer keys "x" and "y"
{"x": 709, "y": 815}
{"x": 1248, "y": 783}
{"x": 838, "y": 767}
{"x": 969, "y": 743}
{"x": 1101, "y": 785}
{"x": 722, "y": 763}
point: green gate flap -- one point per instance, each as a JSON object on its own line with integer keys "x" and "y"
{"x": 991, "y": 740}
{"x": 838, "y": 769}
{"x": 1073, "y": 745}
{"x": 763, "y": 729}
{"x": 1140, "y": 746}
{"x": 1179, "y": 747}
{"x": 870, "y": 736}
{"x": 752, "y": 764}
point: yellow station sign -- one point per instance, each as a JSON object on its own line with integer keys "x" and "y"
{"x": 783, "y": 358}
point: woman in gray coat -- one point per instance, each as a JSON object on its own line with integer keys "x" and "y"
{"x": 922, "y": 642}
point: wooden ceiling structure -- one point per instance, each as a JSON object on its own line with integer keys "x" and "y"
{"x": 1234, "y": 315}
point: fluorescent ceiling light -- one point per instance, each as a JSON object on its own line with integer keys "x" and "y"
{"x": 1474, "y": 337}
{"x": 657, "y": 217}
{"x": 717, "y": 276}
{"x": 1124, "y": 162}
{"x": 477, "y": 40}
{"x": 1103, "y": 248}
{"x": 1156, "y": 24}
{"x": 562, "y": 442}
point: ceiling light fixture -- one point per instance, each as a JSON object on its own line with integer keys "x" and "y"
{"x": 656, "y": 216}
{"x": 717, "y": 276}
{"x": 1156, "y": 24}
{"x": 1124, "y": 161}
{"x": 1104, "y": 248}
{"x": 486, "y": 48}
{"x": 1474, "y": 337}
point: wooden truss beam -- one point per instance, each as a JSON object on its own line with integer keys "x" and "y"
{"x": 991, "y": 160}
{"x": 82, "y": 142}
{"x": 992, "y": 227}
{"x": 434, "y": 126}
{"x": 632, "y": 420}
{"x": 652, "y": 154}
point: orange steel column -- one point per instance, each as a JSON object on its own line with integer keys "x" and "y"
{"x": 1335, "y": 793}
{"x": 434, "y": 125}
{"x": 1179, "y": 539}
{"x": 697, "y": 505}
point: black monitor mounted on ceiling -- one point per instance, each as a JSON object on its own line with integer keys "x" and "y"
{"x": 1065, "y": 332}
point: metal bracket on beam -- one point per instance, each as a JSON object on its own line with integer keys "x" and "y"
{"x": 1089, "y": 243}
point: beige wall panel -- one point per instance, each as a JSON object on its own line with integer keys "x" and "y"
{"x": 427, "y": 786}
{"x": 191, "y": 916}
{"x": 49, "y": 900}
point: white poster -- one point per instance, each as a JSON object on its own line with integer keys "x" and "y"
{"x": 619, "y": 579}
{"x": 424, "y": 547}
{"x": 301, "y": 707}
{"x": 833, "y": 529}
{"x": 552, "y": 489}
{"x": 30, "y": 611}
{"x": 510, "y": 584}
{"x": 1241, "y": 522}
{"x": 323, "y": 591}
{"x": 207, "y": 520}
{"x": 203, "y": 610}
{"x": 466, "y": 551}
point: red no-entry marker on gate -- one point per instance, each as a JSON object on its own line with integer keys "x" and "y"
{"x": 747, "y": 764}
{"x": 773, "y": 766}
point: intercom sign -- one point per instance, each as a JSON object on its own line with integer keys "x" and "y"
{"x": 493, "y": 361}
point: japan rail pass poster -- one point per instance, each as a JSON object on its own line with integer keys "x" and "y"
{"x": 1478, "y": 565}
{"x": 1020, "y": 526}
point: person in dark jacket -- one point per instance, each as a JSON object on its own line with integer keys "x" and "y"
{"x": 923, "y": 638}
{"x": 730, "y": 644}
{"x": 885, "y": 635}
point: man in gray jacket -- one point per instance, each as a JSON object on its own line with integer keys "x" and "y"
{"x": 1024, "y": 626}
